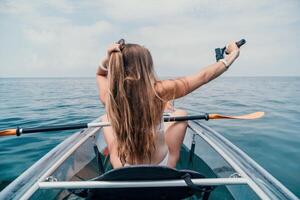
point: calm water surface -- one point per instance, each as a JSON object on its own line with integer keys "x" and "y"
{"x": 273, "y": 141}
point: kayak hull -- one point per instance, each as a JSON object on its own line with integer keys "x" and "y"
{"x": 82, "y": 157}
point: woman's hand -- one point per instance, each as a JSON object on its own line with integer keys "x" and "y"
{"x": 111, "y": 48}
{"x": 103, "y": 64}
{"x": 233, "y": 53}
{"x": 233, "y": 50}
{"x": 231, "y": 47}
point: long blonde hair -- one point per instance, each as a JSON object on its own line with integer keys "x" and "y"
{"x": 133, "y": 106}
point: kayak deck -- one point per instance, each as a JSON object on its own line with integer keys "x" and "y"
{"x": 74, "y": 162}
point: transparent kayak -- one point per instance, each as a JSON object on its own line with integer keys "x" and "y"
{"x": 75, "y": 162}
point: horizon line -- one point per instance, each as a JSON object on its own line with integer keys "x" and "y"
{"x": 238, "y": 76}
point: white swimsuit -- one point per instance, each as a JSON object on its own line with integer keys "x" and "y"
{"x": 160, "y": 130}
{"x": 164, "y": 162}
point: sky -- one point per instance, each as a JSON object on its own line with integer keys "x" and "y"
{"x": 62, "y": 38}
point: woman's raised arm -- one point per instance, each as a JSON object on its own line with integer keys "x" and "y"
{"x": 101, "y": 75}
{"x": 102, "y": 84}
{"x": 172, "y": 89}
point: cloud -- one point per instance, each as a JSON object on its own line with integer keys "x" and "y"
{"x": 68, "y": 37}
{"x": 21, "y": 7}
{"x": 67, "y": 47}
{"x": 61, "y": 5}
{"x": 135, "y": 10}
{"x": 55, "y": 45}
{"x": 187, "y": 43}
{"x": 17, "y": 7}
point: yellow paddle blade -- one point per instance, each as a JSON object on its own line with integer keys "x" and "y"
{"x": 254, "y": 115}
{"x": 8, "y": 132}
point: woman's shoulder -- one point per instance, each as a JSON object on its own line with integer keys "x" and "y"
{"x": 162, "y": 87}
{"x": 172, "y": 88}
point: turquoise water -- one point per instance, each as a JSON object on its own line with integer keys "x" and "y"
{"x": 273, "y": 141}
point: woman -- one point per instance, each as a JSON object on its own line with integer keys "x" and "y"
{"x": 135, "y": 100}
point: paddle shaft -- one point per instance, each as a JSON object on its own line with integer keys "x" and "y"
{"x": 52, "y": 128}
{"x": 205, "y": 116}
{"x": 20, "y": 131}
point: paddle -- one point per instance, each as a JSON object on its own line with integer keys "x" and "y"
{"x": 18, "y": 131}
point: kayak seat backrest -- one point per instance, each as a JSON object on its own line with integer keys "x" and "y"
{"x": 149, "y": 173}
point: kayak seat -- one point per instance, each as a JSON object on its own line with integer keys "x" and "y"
{"x": 148, "y": 173}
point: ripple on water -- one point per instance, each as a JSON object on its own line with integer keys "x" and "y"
{"x": 273, "y": 141}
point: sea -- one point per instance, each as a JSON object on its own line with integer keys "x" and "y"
{"x": 272, "y": 141}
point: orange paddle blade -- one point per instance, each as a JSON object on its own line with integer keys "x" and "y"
{"x": 106, "y": 151}
{"x": 254, "y": 115}
{"x": 8, "y": 132}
